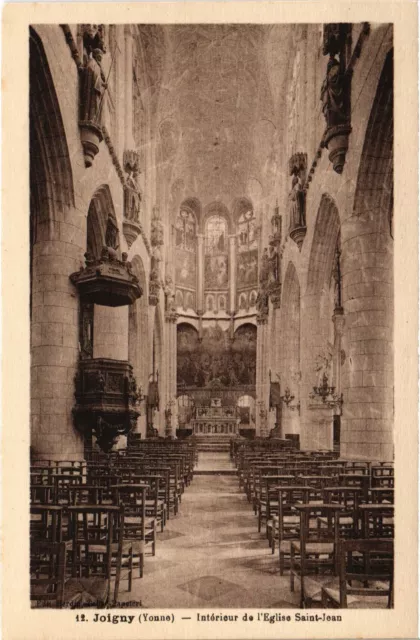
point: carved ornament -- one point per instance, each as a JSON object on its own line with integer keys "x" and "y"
{"x": 107, "y": 281}
{"x": 335, "y": 94}
{"x": 107, "y": 399}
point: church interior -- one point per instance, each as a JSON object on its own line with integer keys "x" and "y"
{"x": 211, "y": 308}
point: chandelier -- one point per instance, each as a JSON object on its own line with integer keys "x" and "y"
{"x": 327, "y": 394}
{"x": 288, "y": 398}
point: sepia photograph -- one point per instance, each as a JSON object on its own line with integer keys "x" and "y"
{"x": 211, "y": 315}
{"x": 215, "y": 377}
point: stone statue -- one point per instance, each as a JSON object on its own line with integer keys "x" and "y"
{"x": 100, "y": 382}
{"x": 265, "y": 267}
{"x": 169, "y": 294}
{"x": 132, "y": 194}
{"x": 111, "y": 235}
{"x": 93, "y": 85}
{"x": 273, "y": 265}
{"x": 333, "y": 95}
{"x": 262, "y": 303}
{"x": 93, "y": 37}
{"x": 296, "y": 203}
{"x": 156, "y": 235}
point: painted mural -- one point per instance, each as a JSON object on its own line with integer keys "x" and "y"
{"x": 216, "y": 259}
{"x": 247, "y": 236}
{"x": 247, "y": 272}
{"x": 185, "y": 268}
{"x": 216, "y": 362}
{"x": 216, "y": 271}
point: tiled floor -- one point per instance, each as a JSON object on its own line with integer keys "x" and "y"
{"x": 211, "y": 553}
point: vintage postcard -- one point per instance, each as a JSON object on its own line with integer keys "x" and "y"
{"x": 210, "y": 310}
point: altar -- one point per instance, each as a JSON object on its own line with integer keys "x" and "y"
{"x": 215, "y": 420}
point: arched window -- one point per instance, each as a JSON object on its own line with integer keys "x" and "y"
{"x": 247, "y": 258}
{"x": 216, "y": 235}
{"x": 247, "y": 238}
{"x": 186, "y": 256}
{"x": 216, "y": 253}
{"x": 185, "y": 230}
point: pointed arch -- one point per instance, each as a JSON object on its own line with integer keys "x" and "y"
{"x": 240, "y": 206}
{"x": 327, "y": 229}
{"x": 217, "y": 208}
{"x": 374, "y": 192}
{"x": 100, "y": 209}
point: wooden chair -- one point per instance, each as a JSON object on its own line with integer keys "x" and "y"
{"x": 139, "y": 530}
{"x": 47, "y": 571}
{"x": 268, "y": 496}
{"x": 287, "y": 523}
{"x": 349, "y": 498}
{"x": 46, "y": 523}
{"x": 316, "y": 549}
{"x": 96, "y": 546}
{"x": 373, "y": 576}
{"x": 376, "y": 520}
{"x": 361, "y": 480}
{"x": 42, "y": 493}
{"x": 155, "y": 505}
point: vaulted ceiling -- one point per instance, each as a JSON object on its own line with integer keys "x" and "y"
{"x": 219, "y": 110}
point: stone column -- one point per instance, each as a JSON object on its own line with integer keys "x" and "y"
{"x": 232, "y": 272}
{"x": 367, "y": 378}
{"x": 128, "y": 88}
{"x": 170, "y": 396}
{"x": 316, "y": 419}
{"x": 110, "y": 333}
{"x": 200, "y": 272}
{"x": 261, "y": 374}
{"x": 55, "y": 336}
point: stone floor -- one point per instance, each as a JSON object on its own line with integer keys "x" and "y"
{"x": 211, "y": 553}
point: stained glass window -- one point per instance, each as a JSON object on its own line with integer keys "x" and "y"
{"x": 185, "y": 230}
{"x": 216, "y": 235}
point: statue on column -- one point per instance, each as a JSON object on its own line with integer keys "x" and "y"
{"x": 296, "y": 202}
{"x": 273, "y": 265}
{"x": 169, "y": 294}
{"x": 264, "y": 268}
{"x": 92, "y": 88}
{"x": 336, "y": 92}
{"x": 333, "y": 95}
{"x": 93, "y": 85}
{"x": 156, "y": 233}
{"x": 132, "y": 193}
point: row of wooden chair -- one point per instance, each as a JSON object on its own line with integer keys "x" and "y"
{"x": 93, "y": 522}
{"x": 332, "y": 520}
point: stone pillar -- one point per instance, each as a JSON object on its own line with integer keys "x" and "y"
{"x": 232, "y": 272}
{"x": 367, "y": 378}
{"x": 200, "y": 272}
{"x": 261, "y": 375}
{"x": 128, "y": 89}
{"x": 110, "y": 333}
{"x": 316, "y": 419}
{"x": 170, "y": 390}
{"x": 55, "y": 337}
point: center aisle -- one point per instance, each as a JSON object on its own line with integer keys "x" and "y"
{"x": 211, "y": 553}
